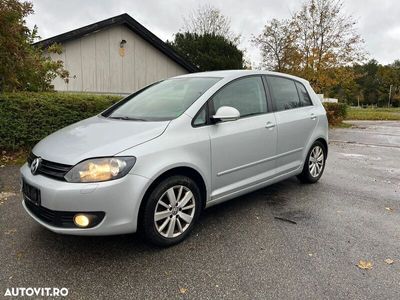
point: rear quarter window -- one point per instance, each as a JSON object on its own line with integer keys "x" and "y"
{"x": 305, "y": 99}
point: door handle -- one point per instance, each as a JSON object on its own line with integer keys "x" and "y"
{"x": 313, "y": 117}
{"x": 270, "y": 125}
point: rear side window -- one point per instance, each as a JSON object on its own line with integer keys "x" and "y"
{"x": 284, "y": 92}
{"x": 305, "y": 99}
{"x": 247, "y": 95}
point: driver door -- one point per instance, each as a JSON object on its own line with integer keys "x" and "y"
{"x": 243, "y": 151}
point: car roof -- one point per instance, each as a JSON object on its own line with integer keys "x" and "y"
{"x": 232, "y": 74}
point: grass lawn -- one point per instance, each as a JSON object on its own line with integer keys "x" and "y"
{"x": 354, "y": 113}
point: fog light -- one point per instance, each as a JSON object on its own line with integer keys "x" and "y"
{"x": 81, "y": 220}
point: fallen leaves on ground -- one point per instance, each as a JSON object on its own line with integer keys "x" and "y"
{"x": 5, "y": 195}
{"x": 365, "y": 264}
{"x": 10, "y": 231}
{"x": 183, "y": 290}
{"x": 12, "y": 157}
{"x": 389, "y": 261}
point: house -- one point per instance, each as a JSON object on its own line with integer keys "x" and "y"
{"x": 116, "y": 55}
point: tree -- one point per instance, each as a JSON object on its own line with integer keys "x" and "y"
{"x": 23, "y": 66}
{"x": 320, "y": 38}
{"x": 209, "y": 20}
{"x": 372, "y": 84}
{"x": 208, "y": 51}
{"x": 327, "y": 39}
{"x": 207, "y": 41}
{"x": 276, "y": 44}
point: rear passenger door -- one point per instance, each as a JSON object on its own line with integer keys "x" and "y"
{"x": 296, "y": 119}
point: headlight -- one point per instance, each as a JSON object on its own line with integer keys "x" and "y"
{"x": 100, "y": 169}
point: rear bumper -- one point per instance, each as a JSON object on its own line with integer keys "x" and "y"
{"x": 118, "y": 199}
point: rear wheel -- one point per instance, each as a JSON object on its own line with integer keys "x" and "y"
{"x": 171, "y": 211}
{"x": 314, "y": 165}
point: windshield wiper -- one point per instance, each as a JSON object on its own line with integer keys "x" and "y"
{"x": 127, "y": 118}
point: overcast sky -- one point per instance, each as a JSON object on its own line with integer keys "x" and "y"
{"x": 378, "y": 20}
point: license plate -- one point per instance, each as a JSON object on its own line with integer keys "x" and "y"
{"x": 31, "y": 193}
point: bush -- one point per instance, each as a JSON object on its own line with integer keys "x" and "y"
{"x": 26, "y": 118}
{"x": 336, "y": 112}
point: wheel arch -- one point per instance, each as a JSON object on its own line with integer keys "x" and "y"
{"x": 179, "y": 170}
{"x": 306, "y": 150}
{"x": 325, "y": 143}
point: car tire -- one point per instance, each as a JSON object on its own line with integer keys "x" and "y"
{"x": 166, "y": 223}
{"x": 314, "y": 164}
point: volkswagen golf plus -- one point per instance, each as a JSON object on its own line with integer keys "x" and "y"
{"x": 153, "y": 161}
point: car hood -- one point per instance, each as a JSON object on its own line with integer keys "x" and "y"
{"x": 95, "y": 137}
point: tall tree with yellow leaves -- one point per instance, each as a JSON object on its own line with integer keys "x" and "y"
{"x": 320, "y": 41}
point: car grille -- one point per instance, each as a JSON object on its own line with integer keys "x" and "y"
{"x": 64, "y": 219}
{"x": 49, "y": 168}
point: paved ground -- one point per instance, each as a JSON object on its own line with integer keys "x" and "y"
{"x": 239, "y": 250}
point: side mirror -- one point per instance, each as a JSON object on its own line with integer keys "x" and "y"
{"x": 226, "y": 113}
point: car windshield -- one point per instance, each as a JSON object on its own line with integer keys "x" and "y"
{"x": 163, "y": 101}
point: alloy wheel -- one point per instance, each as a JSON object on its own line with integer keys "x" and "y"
{"x": 316, "y": 161}
{"x": 174, "y": 211}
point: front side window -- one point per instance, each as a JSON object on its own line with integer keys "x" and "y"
{"x": 247, "y": 95}
{"x": 163, "y": 101}
{"x": 284, "y": 92}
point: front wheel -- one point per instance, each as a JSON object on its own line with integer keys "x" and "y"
{"x": 314, "y": 165}
{"x": 171, "y": 210}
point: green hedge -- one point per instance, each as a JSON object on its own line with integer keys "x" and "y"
{"x": 336, "y": 112}
{"x": 26, "y": 118}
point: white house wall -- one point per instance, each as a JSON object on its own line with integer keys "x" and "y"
{"x": 95, "y": 64}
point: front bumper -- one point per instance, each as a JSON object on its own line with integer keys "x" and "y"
{"x": 118, "y": 199}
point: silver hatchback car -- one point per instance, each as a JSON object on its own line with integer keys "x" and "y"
{"x": 153, "y": 161}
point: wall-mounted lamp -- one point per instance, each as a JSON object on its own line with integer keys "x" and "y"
{"x": 122, "y": 44}
{"x": 122, "y": 48}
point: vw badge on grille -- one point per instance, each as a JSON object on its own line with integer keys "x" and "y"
{"x": 35, "y": 165}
